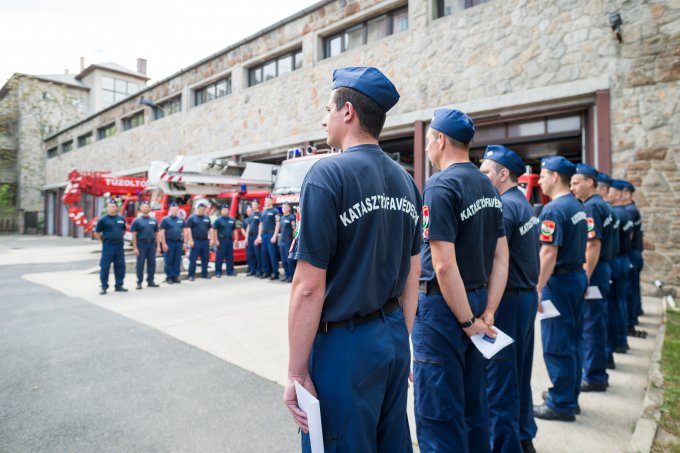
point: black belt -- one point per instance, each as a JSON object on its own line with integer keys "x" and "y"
{"x": 173, "y": 240}
{"x": 567, "y": 269}
{"x": 112, "y": 242}
{"x": 432, "y": 287}
{"x": 146, "y": 240}
{"x": 391, "y": 305}
{"x": 224, "y": 237}
{"x": 516, "y": 291}
{"x": 200, "y": 239}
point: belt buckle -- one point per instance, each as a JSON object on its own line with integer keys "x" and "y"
{"x": 323, "y": 327}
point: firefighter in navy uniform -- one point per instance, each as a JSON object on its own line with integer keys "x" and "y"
{"x": 223, "y": 238}
{"x": 464, "y": 261}
{"x": 621, "y": 266}
{"x": 511, "y": 413}
{"x": 197, "y": 238}
{"x": 170, "y": 237}
{"x": 251, "y": 235}
{"x": 562, "y": 280}
{"x": 287, "y": 224}
{"x": 354, "y": 294}
{"x": 636, "y": 263}
{"x": 266, "y": 237}
{"x": 598, "y": 254}
{"x": 110, "y": 230}
{"x": 145, "y": 244}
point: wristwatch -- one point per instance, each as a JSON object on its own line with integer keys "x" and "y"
{"x": 467, "y": 324}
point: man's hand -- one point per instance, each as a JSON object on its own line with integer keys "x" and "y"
{"x": 479, "y": 327}
{"x": 158, "y": 250}
{"x": 488, "y": 318}
{"x": 190, "y": 244}
{"x": 290, "y": 399}
{"x": 258, "y": 240}
{"x": 136, "y": 251}
{"x": 273, "y": 240}
{"x": 164, "y": 247}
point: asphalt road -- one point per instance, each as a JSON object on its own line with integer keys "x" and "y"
{"x": 79, "y": 378}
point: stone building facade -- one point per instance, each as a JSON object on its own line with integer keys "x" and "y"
{"x": 544, "y": 77}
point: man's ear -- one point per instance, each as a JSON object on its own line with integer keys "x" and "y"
{"x": 349, "y": 113}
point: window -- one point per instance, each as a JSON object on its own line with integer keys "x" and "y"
{"x": 213, "y": 91}
{"x": 52, "y": 152}
{"x": 448, "y": 7}
{"x": 67, "y": 146}
{"x": 85, "y": 140}
{"x": 168, "y": 107}
{"x": 106, "y": 131}
{"x": 275, "y": 67}
{"x": 114, "y": 90}
{"x": 366, "y": 32}
{"x": 133, "y": 121}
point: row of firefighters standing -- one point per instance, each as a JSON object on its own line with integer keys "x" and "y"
{"x": 269, "y": 234}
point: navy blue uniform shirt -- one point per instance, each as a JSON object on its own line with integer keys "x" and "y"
{"x": 254, "y": 222}
{"x": 616, "y": 232}
{"x": 600, "y": 223}
{"x": 145, "y": 227}
{"x": 112, "y": 228}
{"x": 359, "y": 220}
{"x": 225, "y": 227}
{"x": 461, "y": 206}
{"x": 521, "y": 232}
{"x": 269, "y": 218}
{"x": 625, "y": 230}
{"x": 287, "y": 222}
{"x": 564, "y": 224}
{"x": 637, "y": 226}
{"x": 173, "y": 227}
{"x": 199, "y": 225}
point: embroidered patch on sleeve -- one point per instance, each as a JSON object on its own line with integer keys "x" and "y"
{"x": 547, "y": 231}
{"x": 426, "y": 221}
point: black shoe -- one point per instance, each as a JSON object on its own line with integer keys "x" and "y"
{"x": 264, "y": 276}
{"x": 250, "y": 274}
{"x": 169, "y": 281}
{"x": 545, "y": 413}
{"x": 233, "y": 274}
{"x": 283, "y": 279}
{"x": 290, "y": 280}
{"x": 139, "y": 286}
{"x": 274, "y": 277}
{"x": 102, "y": 291}
{"x": 207, "y": 277}
{"x": 191, "y": 279}
{"x": 611, "y": 365}
{"x": 152, "y": 285}
{"x": 621, "y": 349}
{"x": 177, "y": 280}
{"x": 544, "y": 395}
{"x": 593, "y": 387}
{"x": 577, "y": 409}
{"x": 218, "y": 275}
{"x": 120, "y": 289}
{"x": 528, "y": 446}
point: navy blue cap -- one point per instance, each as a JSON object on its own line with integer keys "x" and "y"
{"x": 454, "y": 123}
{"x": 173, "y": 204}
{"x": 629, "y": 186}
{"x": 111, "y": 201}
{"x": 506, "y": 157}
{"x": 603, "y": 178}
{"x": 224, "y": 206}
{"x": 586, "y": 170}
{"x": 618, "y": 184}
{"x": 201, "y": 203}
{"x": 143, "y": 202}
{"x": 558, "y": 164}
{"x": 369, "y": 81}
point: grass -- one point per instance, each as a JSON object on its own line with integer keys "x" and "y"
{"x": 670, "y": 365}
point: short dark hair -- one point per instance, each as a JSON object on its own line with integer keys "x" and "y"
{"x": 564, "y": 179}
{"x": 371, "y": 117}
{"x": 591, "y": 178}
{"x": 498, "y": 167}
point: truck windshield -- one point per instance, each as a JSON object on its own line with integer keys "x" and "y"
{"x": 291, "y": 174}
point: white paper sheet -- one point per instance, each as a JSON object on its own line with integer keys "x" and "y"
{"x": 486, "y": 347}
{"x": 310, "y": 406}
{"x": 549, "y": 310}
{"x": 593, "y": 292}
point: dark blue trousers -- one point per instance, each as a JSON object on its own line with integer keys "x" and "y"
{"x": 561, "y": 339}
{"x": 201, "y": 248}
{"x": 270, "y": 262}
{"x": 225, "y": 252}
{"x": 634, "y": 298}
{"x": 508, "y": 374}
{"x": 172, "y": 259}
{"x": 360, "y": 374}
{"x": 112, "y": 253}
{"x": 147, "y": 253}
{"x": 595, "y": 323}
{"x": 253, "y": 255}
{"x": 287, "y": 263}
{"x": 618, "y": 295}
{"x": 451, "y": 409}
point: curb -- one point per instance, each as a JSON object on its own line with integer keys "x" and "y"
{"x": 647, "y": 424}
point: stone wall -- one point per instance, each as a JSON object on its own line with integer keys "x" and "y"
{"x": 471, "y": 58}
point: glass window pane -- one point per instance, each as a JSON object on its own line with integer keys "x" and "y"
{"x": 221, "y": 88}
{"x": 209, "y": 93}
{"x": 132, "y": 88}
{"x": 120, "y": 86}
{"x": 564, "y": 124}
{"x": 199, "y": 97}
{"x": 447, "y": 7}
{"x": 118, "y": 96}
{"x": 478, "y": 2}
{"x": 285, "y": 64}
{"x": 228, "y": 82}
{"x": 526, "y": 128}
{"x": 107, "y": 83}
{"x": 107, "y": 97}
{"x": 297, "y": 62}
{"x": 255, "y": 76}
{"x": 490, "y": 133}
{"x": 334, "y": 46}
{"x": 158, "y": 113}
{"x": 400, "y": 21}
{"x": 269, "y": 70}
{"x": 354, "y": 37}
{"x": 378, "y": 28}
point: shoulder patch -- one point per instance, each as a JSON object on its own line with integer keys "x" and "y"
{"x": 591, "y": 223}
{"x": 547, "y": 230}
{"x": 426, "y": 221}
